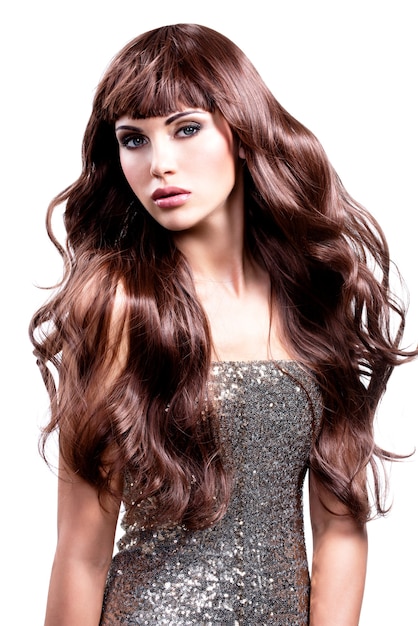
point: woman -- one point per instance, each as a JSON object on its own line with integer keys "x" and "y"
{"x": 224, "y": 324}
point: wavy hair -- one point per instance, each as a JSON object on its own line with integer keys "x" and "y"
{"x": 150, "y": 416}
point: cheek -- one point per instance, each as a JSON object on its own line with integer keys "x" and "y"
{"x": 218, "y": 161}
{"x": 225, "y": 167}
{"x": 133, "y": 173}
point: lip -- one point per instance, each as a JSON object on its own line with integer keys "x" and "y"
{"x": 168, "y": 197}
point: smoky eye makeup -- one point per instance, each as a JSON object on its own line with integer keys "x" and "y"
{"x": 182, "y": 125}
{"x": 188, "y": 129}
{"x": 132, "y": 141}
{"x": 129, "y": 137}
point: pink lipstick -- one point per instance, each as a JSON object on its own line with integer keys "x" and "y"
{"x": 170, "y": 197}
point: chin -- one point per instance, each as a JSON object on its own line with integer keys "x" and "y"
{"x": 177, "y": 226}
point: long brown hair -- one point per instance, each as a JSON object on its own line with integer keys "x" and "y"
{"x": 327, "y": 258}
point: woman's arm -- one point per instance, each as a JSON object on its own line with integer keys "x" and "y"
{"x": 86, "y": 533}
{"x": 86, "y": 527}
{"x": 339, "y": 561}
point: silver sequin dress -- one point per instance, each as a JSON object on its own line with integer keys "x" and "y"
{"x": 251, "y": 568}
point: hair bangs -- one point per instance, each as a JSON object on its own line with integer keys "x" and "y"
{"x": 156, "y": 89}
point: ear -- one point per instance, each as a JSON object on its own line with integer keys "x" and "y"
{"x": 241, "y": 153}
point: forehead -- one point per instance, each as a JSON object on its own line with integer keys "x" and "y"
{"x": 165, "y": 120}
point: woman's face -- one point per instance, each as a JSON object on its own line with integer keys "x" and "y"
{"x": 182, "y": 168}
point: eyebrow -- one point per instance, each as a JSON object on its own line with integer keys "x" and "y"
{"x": 174, "y": 117}
{"x": 167, "y": 122}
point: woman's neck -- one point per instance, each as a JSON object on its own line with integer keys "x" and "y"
{"x": 235, "y": 294}
{"x": 215, "y": 252}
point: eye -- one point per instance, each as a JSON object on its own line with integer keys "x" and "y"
{"x": 189, "y": 129}
{"x": 132, "y": 141}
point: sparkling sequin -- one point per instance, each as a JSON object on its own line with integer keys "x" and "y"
{"x": 250, "y": 568}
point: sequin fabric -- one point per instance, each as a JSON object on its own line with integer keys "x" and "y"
{"x": 251, "y": 567}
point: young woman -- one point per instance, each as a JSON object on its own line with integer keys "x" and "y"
{"x": 225, "y": 323}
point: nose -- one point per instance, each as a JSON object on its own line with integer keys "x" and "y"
{"x": 162, "y": 158}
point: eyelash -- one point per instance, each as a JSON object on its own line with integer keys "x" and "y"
{"x": 194, "y": 126}
{"x": 126, "y": 140}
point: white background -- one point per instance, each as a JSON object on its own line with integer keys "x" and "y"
{"x": 348, "y": 71}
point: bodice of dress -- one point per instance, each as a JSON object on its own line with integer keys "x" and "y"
{"x": 251, "y": 567}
